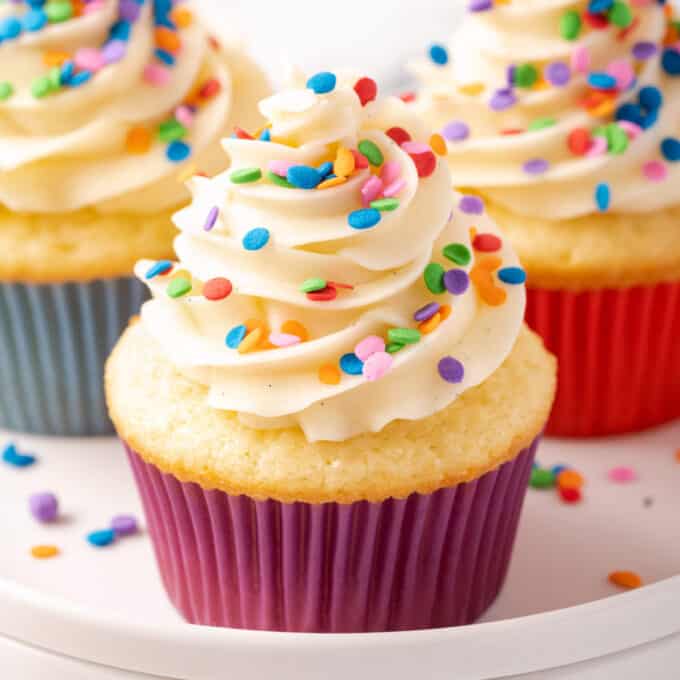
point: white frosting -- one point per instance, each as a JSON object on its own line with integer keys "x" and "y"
{"x": 310, "y": 237}
{"x": 67, "y": 150}
{"x": 527, "y": 31}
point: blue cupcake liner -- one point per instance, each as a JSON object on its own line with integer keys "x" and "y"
{"x": 54, "y": 341}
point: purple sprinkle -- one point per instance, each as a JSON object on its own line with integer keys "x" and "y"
{"x": 480, "y": 5}
{"x": 471, "y": 205}
{"x": 510, "y": 74}
{"x": 44, "y": 507}
{"x": 644, "y": 50}
{"x": 427, "y": 312}
{"x": 113, "y": 51}
{"x": 456, "y": 281}
{"x": 558, "y": 73}
{"x": 451, "y": 370}
{"x": 456, "y": 131}
{"x": 129, "y": 10}
{"x": 536, "y": 166}
{"x": 124, "y": 525}
{"x": 503, "y": 99}
{"x": 211, "y": 218}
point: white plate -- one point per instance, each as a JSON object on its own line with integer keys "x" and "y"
{"x": 106, "y": 606}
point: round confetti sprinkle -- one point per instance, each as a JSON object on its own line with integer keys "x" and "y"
{"x": 536, "y": 166}
{"x": 351, "y": 364}
{"x": 44, "y": 552}
{"x": 601, "y": 81}
{"x": 178, "y": 151}
{"x": 256, "y": 239}
{"x": 568, "y": 479}
{"x": 580, "y": 59}
{"x": 422, "y": 156}
{"x": 211, "y": 219}
{"x": 394, "y": 347}
{"x": 293, "y": 327}
{"x": 44, "y": 507}
{"x": 404, "y": 336}
{"x": 457, "y": 253}
{"x": 451, "y": 370}
{"x": 235, "y": 336}
{"x": 434, "y": 278}
{"x": 326, "y": 295}
{"x": 283, "y": 340}
{"x": 487, "y": 243}
{"x": 304, "y": 176}
{"x": 542, "y": 479}
{"x": 158, "y": 269}
{"x": 650, "y": 98}
{"x": 427, "y": 312}
{"x": 579, "y": 141}
{"x": 525, "y": 75}
{"x": 329, "y": 375}
{"x": 502, "y": 100}
{"x": 216, "y": 289}
{"x": 124, "y": 525}
{"x": 438, "y": 144}
{"x": 385, "y": 204}
{"x": 245, "y": 175}
{"x": 13, "y": 457}
{"x": 100, "y": 539}
{"x": 377, "y": 365}
{"x": 439, "y": 54}
{"x": 670, "y": 61}
{"x": 628, "y": 580}
{"x": 6, "y": 90}
{"x": 655, "y": 171}
{"x": 621, "y": 14}
{"x": 644, "y": 50}
{"x": 369, "y": 346}
{"x": 398, "y": 135}
{"x": 558, "y": 73}
{"x": 456, "y": 131}
{"x": 456, "y": 281}
{"x": 179, "y": 287}
{"x": 322, "y": 83}
{"x": 371, "y": 151}
{"x": 570, "y": 25}
{"x": 480, "y": 5}
{"x": 570, "y": 495}
{"x": 512, "y": 275}
{"x": 364, "y": 218}
{"x": 366, "y": 89}
{"x": 280, "y": 181}
{"x": 312, "y": 285}
{"x": 670, "y": 148}
{"x": 622, "y": 475}
{"x": 471, "y": 205}
{"x": 138, "y": 140}
{"x": 602, "y": 197}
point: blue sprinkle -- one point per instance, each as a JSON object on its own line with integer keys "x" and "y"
{"x": 235, "y": 336}
{"x": 601, "y": 81}
{"x": 364, "y": 218}
{"x": 650, "y": 98}
{"x": 100, "y": 539}
{"x": 670, "y": 148}
{"x": 10, "y": 28}
{"x": 165, "y": 57}
{"x": 512, "y": 275}
{"x": 266, "y": 135}
{"x": 67, "y": 70}
{"x": 439, "y": 54}
{"x": 603, "y": 196}
{"x": 34, "y": 20}
{"x": 178, "y": 151}
{"x": 322, "y": 83}
{"x": 325, "y": 169}
{"x": 79, "y": 78}
{"x": 671, "y": 61}
{"x": 630, "y": 112}
{"x": 650, "y": 119}
{"x": 11, "y": 456}
{"x": 256, "y": 239}
{"x": 304, "y": 177}
{"x": 599, "y": 6}
{"x": 557, "y": 469}
{"x": 351, "y": 364}
{"x": 160, "y": 267}
{"x": 121, "y": 31}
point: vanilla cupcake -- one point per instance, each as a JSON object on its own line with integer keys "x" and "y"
{"x": 571, "y": 132}
{"x": 331, "y": 405}
{"x": 102, "y": 106}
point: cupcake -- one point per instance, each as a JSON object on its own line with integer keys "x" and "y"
{"x": 571, "y": 133}
{"x": 331, "y": 405}
{"x": 102, "y": 106}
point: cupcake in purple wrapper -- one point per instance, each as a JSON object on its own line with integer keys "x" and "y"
{"x": 331, "y": 405}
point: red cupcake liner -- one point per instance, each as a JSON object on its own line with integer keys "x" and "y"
{"x": 426, "y": 561}
{"x": 618, "y": 353}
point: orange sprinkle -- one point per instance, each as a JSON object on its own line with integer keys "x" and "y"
{"x": 182, "y": 17}
{"x": 438, "y": 144}
{"x": 677, "y": 456}
{"x": 251, "y": 341}
{"x": 55, "y": 58}
{"x": 167, "y": 39}
{"x": 253, "y": 324}
{"x": 344, "y": 162}
{"x": 625, "y": 579}
{"x": 491, "y": 294}
{"x": 605, "y": 109}
{"x": 445, "y": 312}
{"x": 293, "y": 327}
{"x": 332, "y": 182}
{"x": 489, "y": 263}
{"x": 44, "y": 552}
{"x": 473, "y": 233}
{"x": 329, "y": 374}
{"x": 431, "y": 324}
{"x": 570, "y": 479}
{"x": 138, "y": 140}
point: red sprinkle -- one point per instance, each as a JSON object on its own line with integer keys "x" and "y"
{"x": 366, "y": 90}
{"x": 407, "y": 96}
{"x": 360, "y": 161}
{"x": 596, "y": 21}
{"x": 324, "y": 295}
{"x": 214, "y": 42}
{"x": 570, "y": 495}
{"x": 625, "y": 32}
{"x": 344, "y": 286}
{"x": 399, "y": 135}
{"x": 217, "y": 289}
{"x": 425, "y": 162}
{"x": 210, "y": 88}
{"x": 579, "y": 141}
{"x": 487, "y": 243}
{"x": 242, "y": 134}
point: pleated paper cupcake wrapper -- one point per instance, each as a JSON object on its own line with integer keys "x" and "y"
{"x": 618, "y": 354}
{"x": 54, "y": 341}
{"x": 426, "y": 561}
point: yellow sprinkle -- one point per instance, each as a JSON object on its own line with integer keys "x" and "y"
{"x": 251, "y": 341}
{"x": 472, "y": 89}
{"x": 332, "y": 182}
{"x": 329, "y": 374}
{"x": 293, "y": 327}
{"x": 431, "y": 324}
{"x": 55, "y": 58}
{"x": 344, "y": 163}
{"x": 138, "y": 140}
{"x": 44, "y": 552}
{"x": 181, "y": 17}
{"x": 625, "y": 579}
{"x": 438, "y": 144}
{"x": 473, "y": 233}
{"x": 187, "y": 172}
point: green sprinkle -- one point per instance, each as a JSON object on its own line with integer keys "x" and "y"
{"x": 617, "y": 139}
{"x": 394, "y": 347}
{"x": 58, "y": 10}
{"x": 178, "y": 287}
{"x": 404, "y": 336}
{"x": 542, "y": 479}
{"x": 570, "y": 25}
{"x": 620, "y": 14}
{"x": 600, "y": 131}
{"x": 312, "y": 285}
{"x": 245, "y": 175}
{"x": 171, "y": 130}
{"x": 541, "y": 124}
{"x": 6, "y": 90}
{"x": 434, "y": 278}
{"x": 526, "y": 75}
{"x": 54, "y": 76}
{"x": 458, "y": 253}
{"x": 371, "y": 151}
{"x": 385, "y": 204}
{"x": 41, "y": 87}
{"x": 277, "y": 179}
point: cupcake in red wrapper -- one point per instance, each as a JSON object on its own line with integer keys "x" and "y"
{"x": 331, "y": 405}
{"x": 571, "y": 135}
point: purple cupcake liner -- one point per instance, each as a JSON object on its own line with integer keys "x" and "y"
{"x": 427, "y": 561}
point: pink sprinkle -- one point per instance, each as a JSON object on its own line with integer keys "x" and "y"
{"x": 641, "y": 3}
{"x": 284, "y": 339}
{"x": 280, "y": 168}
{"x": 415, "y": 147}
{"x": 156, "y": 75}
{"x": 598, "y": 146}
{"x": 371, "y": 190}
{"x": 390, "y": 172}
{"x": 622, "y": 70}
{"x": 633, "y": 130}
{"x": 93, "y": 6}
{"x": 184, "y": 115}
{"x": 89, "y": 59}
{"x": 377, "y": 365}
{"x": 655, "y": 171}
{"x": 394, "y": 189}
{"x": 580, "y": 60}
{"x": 622, "y": 475}
{"x": 369, "y": 346}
